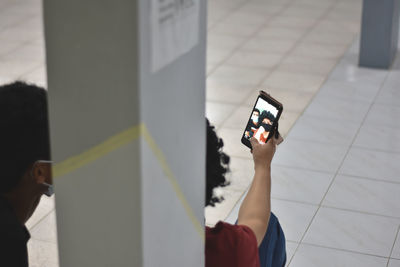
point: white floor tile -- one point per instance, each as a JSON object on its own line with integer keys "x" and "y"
{"x": 338, "y": 26}
{"x": 28, "y": 52}
{"x": 246, "y": 18}
{"x": 281, "y": 33}
{"x": 38, "y": 77}
{"x": 396, "y": 248}
{"x": 384, "y": 115}
{"x": 302, "y": 11}
{"x": 323, "y": 51}
{"x": 268, "y": 45}
{"x": 286, "y": 122}
{"x": 394, "y": 263}
{"x": 324, "y": 130}
{"x": 221, "y": 210}
{"x": 372, "y": 164}
{"x": 233, "y": 215}
{"x": 236, "y": 29}
{"x": 287, "y": 20}
{"x": 241, "y": 172}
{"x": 254, "y": 59}
{"x": 338, "y": 109}
{"x": 46, "y": 229}
{"x": 307, "y": 65}
{"x": 233, "y": 146}
{"x": 309, "y": 155}
{"x": 290, "y": 250}
{"x": 364, "y": 195}
{"x": 7, "y": 47}
{"x": 299, "y": 185}
{"x": 46, "y": 205}
{"x": 217, "y": 112}
{"x": 312, "y": 256}
{"x": 239, "y": 118}
{"x": 294, "y": 217}
{"x": 228, "y": 92}
{"x": 220, "y": 41}
{"x": 349, "y": 91}
{"x": 217, "y": 56}
{"x": 372, "y": 136}
{"x": 294, "y": 81}
{"x": 389, "y": 95}
{"x": 18, "y": 67}
{"x": 266, "y": 9}
{"x": 350, "y": 72}
{"x": 42, "y": 254}
{"x": 323, "y": 37}
{"x": 353, "y": 231}
{"x": 242, "y": 75}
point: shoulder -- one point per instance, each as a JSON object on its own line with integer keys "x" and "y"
{"x": 236, "y": 233}
{"x": 226, "y": 242}
{"x": 11, "y": 231}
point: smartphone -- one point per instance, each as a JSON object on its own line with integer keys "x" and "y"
{"x": 263, "y": 119}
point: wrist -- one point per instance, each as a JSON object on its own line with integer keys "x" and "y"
{"x": 262, "y": 167}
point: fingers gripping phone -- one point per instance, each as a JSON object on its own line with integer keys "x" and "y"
{"x": 263, "y": 121}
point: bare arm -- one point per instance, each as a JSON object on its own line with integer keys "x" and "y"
{"x": 256, "y": 207}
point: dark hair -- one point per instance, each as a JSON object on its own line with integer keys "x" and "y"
{"x": 266, "y": 114}
{"x": 216, "y": 165}
{"x": 24, "y": 134}
{"x": 256, "y": 109}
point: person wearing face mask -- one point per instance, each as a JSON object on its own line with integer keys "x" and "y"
{"x": 262, "y": 132}
{"x": 253, "y": 125}
{"x": 25, "y": 166}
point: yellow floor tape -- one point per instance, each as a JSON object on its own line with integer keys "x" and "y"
{"x": 117, "y": 141}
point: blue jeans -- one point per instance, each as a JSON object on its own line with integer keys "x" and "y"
{"x": 272, "y": 250}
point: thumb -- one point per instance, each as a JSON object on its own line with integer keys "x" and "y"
{"x": 253, "y": 142}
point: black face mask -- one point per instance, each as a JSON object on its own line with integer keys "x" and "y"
{"x": 266, "y": 126}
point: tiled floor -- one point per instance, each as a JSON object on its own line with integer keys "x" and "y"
{"x": 287, "y": 48}
{"x": 335, "y": 182}
{"x": 335, "y": 178}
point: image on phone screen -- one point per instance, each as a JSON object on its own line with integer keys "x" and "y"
{"x": 261, "y": 121}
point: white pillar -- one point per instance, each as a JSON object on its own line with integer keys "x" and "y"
{"x": 127, "y": 130}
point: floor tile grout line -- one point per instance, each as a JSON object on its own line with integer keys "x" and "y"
{"x": 317, "y": 21}
{"x": 284, "y": 7}
{"x": 337, "y": 208}
{"x": 330, "y": 173}
{"x": 394, "y": 243}
{"x": 345, "y": 250}
{"x": 258, "y": 85}
{"x": 283, "y": 58}
{"x": 246, "y": 38}
{"x": 42, "y": 219}
{"x": 340, "y": 165}
{"x": 316, "y": 212}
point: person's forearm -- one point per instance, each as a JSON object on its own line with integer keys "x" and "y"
{"x": 256, "y": 206}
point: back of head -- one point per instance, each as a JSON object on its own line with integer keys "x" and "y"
{"x": 216, "y": 165}
{"x": 24, "y": 131}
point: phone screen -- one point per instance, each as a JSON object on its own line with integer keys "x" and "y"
{"x": 261, "y": 120}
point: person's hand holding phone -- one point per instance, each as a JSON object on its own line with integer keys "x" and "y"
{"x": 263, "y": 153}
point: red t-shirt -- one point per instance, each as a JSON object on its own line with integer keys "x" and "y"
{"x": 231, "y": 246}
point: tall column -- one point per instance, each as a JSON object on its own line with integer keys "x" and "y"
{"x": 127, "y": 102}
{"x": 379, "y": 33}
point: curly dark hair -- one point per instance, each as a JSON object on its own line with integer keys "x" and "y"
{"x": 24, "y": 131}
{"x": 217, "y": 165}
{"x": 266, "y": 114}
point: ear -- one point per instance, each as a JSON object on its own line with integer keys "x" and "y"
{"x": 41, "y": 173}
